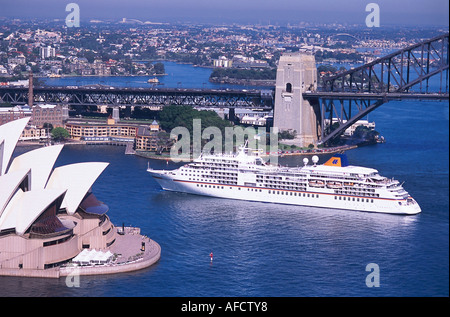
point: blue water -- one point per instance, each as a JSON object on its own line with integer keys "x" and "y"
{"x": 178, "y": 76}
{"x": 263, "y": 249}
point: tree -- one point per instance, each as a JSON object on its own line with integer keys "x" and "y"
{"x": 164, "y": 142}
{"x": 364, "y": 133}
{"x": 159, "y": 69}
{"x": 60, "y": 134}
{"x": 182, "y": 116}
{"x": 287, "y": 135}
{"x": 47, "y": 126}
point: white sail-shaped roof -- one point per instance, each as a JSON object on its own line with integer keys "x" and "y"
{"x": 8, "y": 186}
{"x": 40, "y": 161}
{"x": 28, "y": 187}
{"x": 77, "y": 179}
{"x": 10, "y": 133}
{"x": 25, "y": 207}
{"x": 2, "y": 146}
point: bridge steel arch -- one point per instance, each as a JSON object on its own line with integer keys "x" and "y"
{"x": 350, "y": 95}
{"x": 345, "y": 34}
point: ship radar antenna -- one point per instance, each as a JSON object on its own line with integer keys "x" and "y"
{"x": 315, "y": 159}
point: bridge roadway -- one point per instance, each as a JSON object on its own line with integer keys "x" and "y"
{"x": 87, "y": 96}
{"x": 375, "y": 96}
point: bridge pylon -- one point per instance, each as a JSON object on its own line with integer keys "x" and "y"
{"x": 296, "y": 74}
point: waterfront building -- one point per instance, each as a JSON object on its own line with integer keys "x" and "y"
{"x": 145, "y": 137}
{"x": 52, "y": 114}
{"x": 8, "y": 114}
{"x": 30, "y": 132}
{"x": 254, "y": 120}
{"x": 154, "y": 127}
{"x": 49, "y": 216}
{"x": 33, "y": 133}
{"x": 222, "y": 61}
{"x": 240, "y": 61}
{"x": 100, "y": 68}
{"x": 352, "y": 128}
{"x": 79, "y": 131}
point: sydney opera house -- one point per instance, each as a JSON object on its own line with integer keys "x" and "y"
{"x": 49, "y": 215}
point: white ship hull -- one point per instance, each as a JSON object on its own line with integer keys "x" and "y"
{"x": 314, "y": 197}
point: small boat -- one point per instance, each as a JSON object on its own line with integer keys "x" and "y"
{"x": 153, "y": 80}
{"x": 316, "y": 183}
{"x": 334, "y": 184}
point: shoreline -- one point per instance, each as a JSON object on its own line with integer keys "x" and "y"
{"x": 167, "y": 157}
{"x": 76, "y": 76}
{"x": 336, "y": 149}
{"x": 243, "y": 82}
{"x": 325, "y": 151}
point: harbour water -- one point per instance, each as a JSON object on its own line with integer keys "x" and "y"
{"x": 177, "y": 76}
{"x": 263, "y": 249}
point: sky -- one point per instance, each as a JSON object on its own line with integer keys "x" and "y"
{"x": 392, "y": 12}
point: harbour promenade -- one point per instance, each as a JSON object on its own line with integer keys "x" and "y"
{"x": 132, "y": 251}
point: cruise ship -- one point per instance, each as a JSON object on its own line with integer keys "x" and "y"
{"x": 246, "y": 176}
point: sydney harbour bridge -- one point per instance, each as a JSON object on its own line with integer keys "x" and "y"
{"x": 346, "y": 96}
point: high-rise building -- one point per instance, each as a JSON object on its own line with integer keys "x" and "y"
{"x": 47, "y": 52}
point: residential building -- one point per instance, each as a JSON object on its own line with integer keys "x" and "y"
{"x": 100, "y": 68}
{"x": 18, "y": 60}
{"x": 3, "y": 70}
